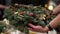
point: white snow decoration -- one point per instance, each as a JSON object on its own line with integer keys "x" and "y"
{"x": 16, "y": 13}
{"x": 6, "y": 21}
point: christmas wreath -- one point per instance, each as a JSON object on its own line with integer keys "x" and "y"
{"x": 21, "y": 15}
{"x": 2, "y": 26}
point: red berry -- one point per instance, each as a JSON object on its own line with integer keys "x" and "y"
{"x": 21, "y": 13}
{"x": 30, "y": 14}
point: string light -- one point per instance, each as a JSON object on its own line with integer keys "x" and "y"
{"x": 50, "y": 7}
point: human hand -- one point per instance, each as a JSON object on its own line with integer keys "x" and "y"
{"x": 37, "y": 28}
{"x": 3, "y": 7}
{"x": 56, "y": 10}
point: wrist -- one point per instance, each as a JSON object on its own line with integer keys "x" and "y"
{"x": 46, "y": 29}
{"x": 49, "y": 27}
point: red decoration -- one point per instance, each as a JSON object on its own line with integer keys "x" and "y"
{"x": 30, "y": 14}
{"x": 21, "y": 13}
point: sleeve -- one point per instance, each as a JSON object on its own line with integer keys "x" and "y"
{"x": 2, "y": 2}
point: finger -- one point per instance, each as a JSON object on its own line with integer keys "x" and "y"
{"x": 32, "y": 26}
{"x": 31, "y": 29}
